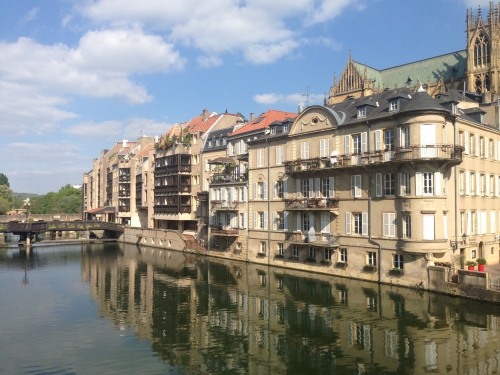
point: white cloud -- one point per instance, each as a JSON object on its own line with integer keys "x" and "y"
{"x": 142, "y": 126}
{"x": 209, "y": 61}
{"x": 296, "y": 98}
{"x": 475, "y": 3}
{"x": 262, "y": 30}
{"x": 36, "y": 153}
{"x": 270, "y": 98}
{"x": 31, "y": 15}
{"x": 90, "y": 129}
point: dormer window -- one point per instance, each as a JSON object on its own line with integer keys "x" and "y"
{"x": 273, "y": 129}
{"x": 224, "y": 141}
{"x": 362, "y": 112}
{"x": 210, "y": 143}
{"x": 285, "y": 128}
{"x": 217, "y": 142}
{"x": 454, "y": 108}
{"x": 481, "y": 118}
{"x": 394, "y": 105}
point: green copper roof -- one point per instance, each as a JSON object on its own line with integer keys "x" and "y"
{"x": 452, "y": 63}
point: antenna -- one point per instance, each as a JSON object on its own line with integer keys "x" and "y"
{"x": 307, "y": 95}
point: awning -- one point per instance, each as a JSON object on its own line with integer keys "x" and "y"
{"x": 103, "y": 210}
{"x": 222, "y": 160}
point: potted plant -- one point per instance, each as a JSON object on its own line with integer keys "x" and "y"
{"x": 369, "y": 268}
{"x": 470, "y": 265}
{"x": 342, "y": 265}
{"x": 326, "y": 261}
{"x": 481, "y": 263}
{"x": 396, "y": 271}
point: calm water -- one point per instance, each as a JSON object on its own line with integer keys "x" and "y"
{"x": 115, "y": 309}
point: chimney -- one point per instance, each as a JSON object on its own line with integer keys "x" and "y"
{"x": 205, "y": 114}
{"x": 125, "y": 143}
{"x": 252, "y": 116}
{"x": 301, "y": 107}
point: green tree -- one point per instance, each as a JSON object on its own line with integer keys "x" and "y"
{"x": 7, "y": 194}
{"x": 4, "y": 206}
{"x": 4, "y": 180}
{"x": 66, "y": 200}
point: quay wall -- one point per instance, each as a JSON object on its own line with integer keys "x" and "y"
{"x": 42, "y": 217}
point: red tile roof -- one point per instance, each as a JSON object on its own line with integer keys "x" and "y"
{"x": 263, "y": 121}
{"x": 145, "y": 150}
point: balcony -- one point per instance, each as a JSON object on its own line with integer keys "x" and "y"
{"x": 228, "y": 178}
{"x": 123, "y": 208}
{"x": 316, "y": 239}
{"x": 225, "y": 231}
{"x": 222, "y": 205}
{"x": 124, "y": 193}
{"x": 312, "y": 204}
{"x": 202, "y": 196}
{"x": 438, "y": 152}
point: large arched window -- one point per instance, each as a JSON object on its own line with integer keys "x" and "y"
{"x": 481, "y": 83}
{"x": 481, "y": 51}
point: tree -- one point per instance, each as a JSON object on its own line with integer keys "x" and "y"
{"x": 6, "y": 194}
{"x": 4, "y": 180}
{"x": 4, "y": 206}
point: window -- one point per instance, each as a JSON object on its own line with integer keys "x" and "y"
{"x": 358, "y": 223}
{"x": 217, "y": 142}
{"x": 404, "y": 141}
{"x": 389, "y": 139}
{"x": 325, "y": 187}
{"x": 356, "y": 144}
{"x": 362, "y": 112}
{"x": 398, "y": 261}
{"x": 260, "y": 220}
{"x": 279, "y": 155}
{"x": 281, "y": 249}
{"x": 390, "y": 186}
{"x": 306, "y": 188}
{"x": 491, "y": 186}
{"x": 462, "y": 222}
{"x": 279, "y": 189}
{"x": 312, "y": 252}
{"x": 324, "y": 148}
{"x": 482, "y": 185}
{"x": 472, "y": 144}
{"x": 343, "y": 255}
{"x": 393, "y": 105}
{"x": 210, "y": 143}
{"x": 356, "y": 186}
{"x": 461, "y": 180}
{"x": 372, "y": 258}
{"x": 295, "y": 251}
{"x": 262, "y": 248}
{"x": 304, "y": 150}
{"x": 473, "y": 254}
{"x": 461, "y": 138}
{"x": 428, "y": 227}
{"x": 481, "y": 147}
{"x": 389, "y": 223}
{"x": 273, "y": 130}
{"x": 428, "y": 183}
{"x": 328, "y": 254}
{"x": 472, "y": 183}
{"x": 280, "y": 220}
{"x": 261, "y": 190}
{"x": 285, "y": 128}
{"x": 260, "y": 157}
{"x": 242, "y": 220}
{"x": 306, "y": 225}
{"x": 405, "y": 184}
{"x": 406, "y": 226}
{"x": 216, "y": 242}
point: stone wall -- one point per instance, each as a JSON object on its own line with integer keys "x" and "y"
{"x": 162, "y": 238}
{"x": 43, "y": 217}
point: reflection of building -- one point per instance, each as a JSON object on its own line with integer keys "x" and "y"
{"x": 214, "y": 316}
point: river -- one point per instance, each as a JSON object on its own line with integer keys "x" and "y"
{"x": 124, "y": 309}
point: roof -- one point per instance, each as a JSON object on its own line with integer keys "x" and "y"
{"x": 222, "y": 160}
{"x": 145, "y": 151}
{"x": 102, "y": 210}
{"x": 217, "y": 134}
{"x": 264, "y": 120}
{"x": 451, "y": 64}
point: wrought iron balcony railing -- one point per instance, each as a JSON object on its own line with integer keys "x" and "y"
{"x": 314, "y": 239}
{"x": 316, "y": 204}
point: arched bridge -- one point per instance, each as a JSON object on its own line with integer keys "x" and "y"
{"x": 55, "y": 226}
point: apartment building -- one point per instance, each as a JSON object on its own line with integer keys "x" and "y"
{"x": 378, "y": 187}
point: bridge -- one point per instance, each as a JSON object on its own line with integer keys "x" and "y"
{"x": 27, "y": 230}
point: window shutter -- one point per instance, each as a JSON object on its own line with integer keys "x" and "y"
{"x": 468, "y": 216}
{"x": 364, "y": 228}
{"x": 353, "y": 185}
{"x": 254, "y": 191}
{"x": 265, "y": 221}
{"x": 285, "y": 189}
{"x": 243, "y": 222}
{"x": 274, "y": 189}
{"x": 363, "y": 142}
{"x": 378, "y": 184}
{"x": 484, "y": 223}
{"x": 347, "y": 144}
{"x": 273, "y": 219}
{"x": 331, "y": 186}
{"x": 311, "y": 188}
{"x": 392, "y": 219}
{"x": 212, "y": 195}
{"x": 400, "y": 137}
{"x": 311, "y": 223}
{"x": 255, "y": 225}
{"x": 285, "y": 221}
{"x": 265, "y": 189}
{"x": 385, "y": 219}
{"x": 347, "y": 223}
{"x": 445, "y": 227}
{"x": 224, "y": 197}
{"x": 358, "y": 186}
{"x": 478, "y": 184}
{"x": 486, "y": 148}
{"x": 299, "y": 221}
{"x": 437, "y": 183}
{"x": 479, "y": 223}
{"x": 487, "y": 178}
{"x": 466, "y": 143}
{"x": 317, "y": 185}
{"x": 493, "y": 224}
{"x": 378, "y": 140}
{"x": 322, "y": 148}
{"x": 244, "y": 194}
{"x": 400, "y": 184}
{"x": 496, "y": 185}
{"x": 325, "y": 222}
{"x": 467, "y": 183}
{"x": 476, "y": 141}
{"x": 230, "y": 196}
{"x": 297, "y": 191}
{"x": 418, "y": 183}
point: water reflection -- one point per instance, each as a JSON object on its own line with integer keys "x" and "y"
{"x": 214, "y": 316}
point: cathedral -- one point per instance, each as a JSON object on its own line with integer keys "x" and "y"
{"x": 477, "y": 67}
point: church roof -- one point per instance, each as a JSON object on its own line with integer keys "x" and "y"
{"x": 451, "y": 64}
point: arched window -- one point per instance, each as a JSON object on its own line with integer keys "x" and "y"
{"x": 481, "y": 83}
{"x": 481, "y": 51}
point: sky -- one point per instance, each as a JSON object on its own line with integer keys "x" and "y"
{"x": 78, "y": 76}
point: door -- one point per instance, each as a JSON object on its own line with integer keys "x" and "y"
{"x": 428, "y": 140}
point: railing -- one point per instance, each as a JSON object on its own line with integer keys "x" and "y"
{"x": 412, "y": 153}
{"x": 124, "y": 193}
{"x": 225, "y": 231}
{"x": 124, "y": 178}
{"x": 123, "y": 208}
{"x": 311, "y": 203}
{"x": 222, "y": 179}
{"x": 223, "y": 204}
{"x": 185, "y": 208}
{"x": 310, "y": 238}
{"x": 202, "y": 196}
{"x": 179, "y": 168}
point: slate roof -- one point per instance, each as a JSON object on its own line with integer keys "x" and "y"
{"x": 264, "y": 120}
{"x": 217, "y": 134}
{"x": 454, "y": 63}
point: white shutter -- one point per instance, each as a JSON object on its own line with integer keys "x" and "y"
{"x": 437, "y": 183}
{"x": 487, "y": 182}
{"x": 476, "y": 148}
{"x": 466, "y": 143}
{"x": 364, "y": 146}
{"x": 243, "y": 217}
{"x": 445, "y": 227}
{"x": 265, "y": 189}
{"x": 317, "y": 185}
{"x": 467, "y": 183}
{"x": 493, "y": 222}
{"x": 255, "y": 226}
{"x": 299, "y": 221}
{"x": 311, "y": 187}
{"x": 331, "y": 187}
{"x": 400, "y": 137}
{"x": 266, "y": 227}
{"x": 297, "y": 190}
{"x": 325, "y": 222}
{"x": 274, "y": 189}
{"x": 378, "y": 184}
{"x": 273, "y": 219}
{"x": 285, "y": 189}
{"x": 385, "y": 224}
{"x": 347, "y": 223}
{"x": 244, "y": 193}
{"x": 353, "y": 185}
{"x": 392, "y": 220}
{"x": 212, "y": 194}
{"x": 378, "y": 140}
{"x": 478, "y": 184}
{"x": 364, "y": 228}
{"x": 285, "y": 220}
{"x": 400, "y": 184}
{"x": 230, "y": 196}
{"x": 254, "y": 191}
{"x": 418, "y": 183}
{"x": 389, "y": 224}
{"x": 479, "y": 223}
{"x": 486, "y": 148}
{"x": 238, "y": 148}
{"x": 347, "y": 144}
{"x": 224, "y": 197}
{"x": 311, "y": 223}
{"x": 322, "y": 152}
{"x": 496, "y": 185}
{"x": 468, "y": 216}
{"x": 484, "y": 223}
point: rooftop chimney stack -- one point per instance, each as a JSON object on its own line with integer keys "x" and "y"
{"x": 205, "y": 114}
{"x": 252, "y": 116}
{"x": 125, "y": 143}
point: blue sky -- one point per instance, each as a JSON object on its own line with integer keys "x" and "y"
{"x": 78, "y": 76}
